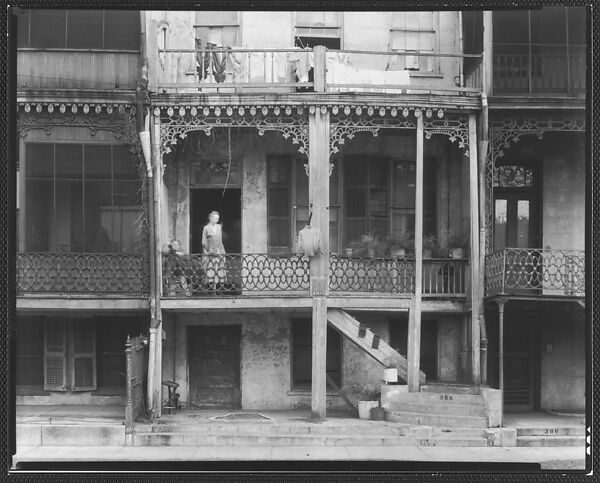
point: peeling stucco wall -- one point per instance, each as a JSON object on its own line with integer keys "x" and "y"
{"x": 449, "y": 332}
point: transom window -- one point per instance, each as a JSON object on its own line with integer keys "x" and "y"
{"x": 81, "y": 198}
{"x": 79, "y": 29}
{"x": 319, "y": 28}
{"x": 414, "y": 32}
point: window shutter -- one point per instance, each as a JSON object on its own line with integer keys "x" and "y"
{"x": 55, "y": 357}
{"x": 83, "y": 350}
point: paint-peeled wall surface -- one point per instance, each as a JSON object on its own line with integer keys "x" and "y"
{"x": 563, "y": 364}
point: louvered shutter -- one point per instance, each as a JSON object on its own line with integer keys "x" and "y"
{"x": 55, "y": 355}
{"x": 83, "y": 350}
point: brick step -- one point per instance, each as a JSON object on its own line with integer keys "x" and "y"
{"x": 437, "y": 407}
{"x": 437, "y": 420}
{"x": 556, "y": 441}
{"x": 450, "y": 388}
{"x": 565, "y": 431}
{"x": 199, "y": 439}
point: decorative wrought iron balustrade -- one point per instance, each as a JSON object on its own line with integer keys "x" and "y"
{"x": 81, "y": 273}
{"x": 535, "y": 271}
{"x": 234, "y": 274}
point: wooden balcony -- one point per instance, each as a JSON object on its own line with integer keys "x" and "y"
{"x": 104, "y": 274}
{"x": 197, "y": 275}
{"x": 76, "y": 69}
{"x": 233, "y": 70}
{"x": 535, "y": 272}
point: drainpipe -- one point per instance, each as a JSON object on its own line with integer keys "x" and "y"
{"x": 483, "y": 149}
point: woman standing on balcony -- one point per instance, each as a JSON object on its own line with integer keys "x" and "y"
{"x": 213, "y": 250}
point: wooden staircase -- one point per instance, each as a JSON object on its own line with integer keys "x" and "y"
{"x": 347, "y": 325}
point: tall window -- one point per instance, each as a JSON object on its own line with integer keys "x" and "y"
{"x": 414, "y": 32}
{"x": 318, "y": 28}
{"x": 302, "y": 355}
{"x": 81, "y": 198}
{"x": 79, "y": 29}
{"x": 221, "y": 28}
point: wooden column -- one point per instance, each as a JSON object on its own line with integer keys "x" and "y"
{"x": 318, "y": 178}
{"x": 474, "y": 251}
{"x": 414, "y": 316}
{"x": 487, "y": 67}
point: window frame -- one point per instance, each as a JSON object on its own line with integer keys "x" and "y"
{"x": 55, "y": 180}
{"x": 65, "y": 47}
{"x": 436, "y": 64}
{"x": 340, "y": 30}
{"x": 238, "y": 25}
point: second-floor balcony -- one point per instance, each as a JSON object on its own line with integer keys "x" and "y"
{"x": 235, "y": 70}
{"x": 535, "y": 272}
{"x": 205, "y": 275}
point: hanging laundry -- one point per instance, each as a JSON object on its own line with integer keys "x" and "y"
{"x": 219, "y": 62}
{"x": 235, "y": 66}
{"x": 302, "y": 62}
{"x": 309, "y": 241}
{"x": 200, "y": 60}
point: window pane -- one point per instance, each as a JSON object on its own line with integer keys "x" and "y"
{"x": 22, "y": 28}
{"x": 523, "y": 224}
{"x": 48, "y": 28}
{"x": 84, "y": 29}
{"x": 126, "y": 193}
{"x": 511, "y": 26}
{"x": 548, "y": 26}
{"x": 97, "y": 161}
{"x": 279, "y": 232}
{"x": 356, "y": 202}
{"x": 68, "y": 228}
{"x": 404, "y": 184}
{"x": 39, "y": 215}
{"x": 122, "y": 29}
{"x": 216, "y": 17}
{"x": 39, "y": 160}
{"x": 69, "y": 161}
{"x": 500, "y": 224}
{"x": 124, "y": 166}
{"x": 99, "y": 236}
{"x": 577, "y": 25}
{"x": 279, "y": 201}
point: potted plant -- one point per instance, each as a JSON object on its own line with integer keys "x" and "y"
{"x": 399, "y": 244}
{"x": 368, "y": 246}
{"x": 367, "y": 401}
{"x": 457, "y": 244}
{"x": 429, "y": 245}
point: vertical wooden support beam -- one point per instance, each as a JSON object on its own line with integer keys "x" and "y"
{"x": 487, "y": 60}
{"x": 129, "y": 394}
{"x": 474, "y": 251}
{"x": 152, "y": 54}
{"x": 319, "y": 60}
{"x": 318, "y": 174}
{"x": 414, "y": 320}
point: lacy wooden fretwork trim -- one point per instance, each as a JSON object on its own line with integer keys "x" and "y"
{"x": 504, "y": 133}
{"x": 456, "y": 128}
{"x": 176, "y": 123}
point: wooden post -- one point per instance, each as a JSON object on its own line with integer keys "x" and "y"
{"x": 501, "y": 303}
{"x": 129, "y": 395}
{"x": 414, "y": 319}
{"x": 487, "y": 60}
{"x": 318, "y": 174}
{"x": 152, "y": 54}
{"x": 474, "y": 252}
{"x": 319, "y": 60}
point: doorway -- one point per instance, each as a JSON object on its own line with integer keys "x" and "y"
{"x": 214, "y": 366}
{"x": 229, "y": 205}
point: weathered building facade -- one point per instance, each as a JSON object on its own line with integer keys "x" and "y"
{"x": 383, "y": 132}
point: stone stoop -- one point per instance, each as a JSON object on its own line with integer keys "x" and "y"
{"x": 548, "y": 437}
{"x": 81, "y": 434}
{"x": 442, "y": 405}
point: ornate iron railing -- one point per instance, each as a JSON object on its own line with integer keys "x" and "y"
{"x": 81, "y": 273}
{"x": 242, "y": 274}
{"x": 443, "y": 276}
{"x": 535, "y": 271}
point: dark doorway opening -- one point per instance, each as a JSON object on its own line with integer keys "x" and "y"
{"x": 228, "y": 204}
{"x": 214, "y": 366}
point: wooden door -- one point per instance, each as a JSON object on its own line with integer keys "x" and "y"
{"x": 520, "y": 366}
{"x": 214, "y": 366}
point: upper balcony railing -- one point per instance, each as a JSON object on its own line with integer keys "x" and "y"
{"x": 77, "y": 69}
{"x": 261, "y": 274}
{"x": 234, "y": 70}
{"x": 555, "y": 71}
{"x": 82, "y": 274}
{"x": 519, "y": 271}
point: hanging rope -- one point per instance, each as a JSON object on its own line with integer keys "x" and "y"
{"x": 229, "y": 165}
